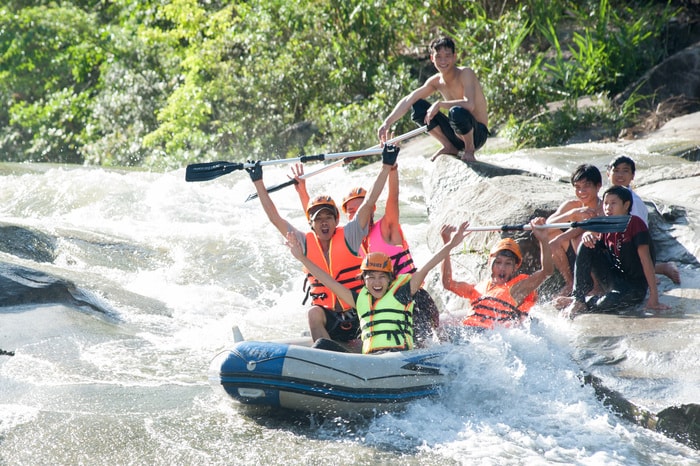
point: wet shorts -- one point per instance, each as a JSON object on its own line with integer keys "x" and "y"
{"x": 342, "y": 326}
{"x": 460, "y": 121}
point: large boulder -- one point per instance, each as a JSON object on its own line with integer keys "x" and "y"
{"x": 676, "y": 81}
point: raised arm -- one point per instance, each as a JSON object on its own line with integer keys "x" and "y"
{"x": 338, "y": 289}
{"x": 390, "y": 224}
{"x": 520, "y": 290}
{"x": 268, "y": 206}
{"x": 364, "y": 213}
{"x": 420, "y": 274}
{"x": 300, "y": 185}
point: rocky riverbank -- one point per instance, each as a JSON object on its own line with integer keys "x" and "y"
{"x": 626, "y": 356}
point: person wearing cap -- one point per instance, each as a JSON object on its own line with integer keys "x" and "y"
{"x": 506, "y": 297}
{"x": 386, "y": 235}
{"x": 385, "y": 302}
{"x": 333, "y": 248}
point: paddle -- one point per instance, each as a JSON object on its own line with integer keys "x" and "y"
{"x": 608, "y": 224}
{"x": 337, "y": 163}
{"x": 209, "y": 170}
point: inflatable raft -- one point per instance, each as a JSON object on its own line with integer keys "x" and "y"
{"x": 297, "y": 377}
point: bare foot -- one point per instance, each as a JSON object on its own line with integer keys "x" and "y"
{"x": 561, "y": 302}
{"x": 468, "y": 156}
{"x": 443, "y": 151}
{"x": 670, "y": 270}
{"x": 574, "y": 309}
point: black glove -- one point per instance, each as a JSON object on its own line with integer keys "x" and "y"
{"x": 255, "y": 171}
{"x": 389, "y": 154}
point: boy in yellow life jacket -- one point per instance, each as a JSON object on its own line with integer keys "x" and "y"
{"x": 385, "y": 302}
{"x": 506, "y": 297}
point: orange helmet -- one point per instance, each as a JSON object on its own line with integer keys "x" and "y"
{"x": 377, "y": 261}
{"x": 507, "y": 244}
{"x": 353, "y": 194}
{"x": 319, "y": 203}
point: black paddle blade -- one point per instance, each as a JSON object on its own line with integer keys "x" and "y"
{"x": 209, "y": 170}
{"x": 607, "y": 224}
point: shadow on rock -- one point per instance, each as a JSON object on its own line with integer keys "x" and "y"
{"x": 21, "y": 285}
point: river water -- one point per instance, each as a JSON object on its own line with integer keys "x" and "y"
{"x": 175, "y": 265}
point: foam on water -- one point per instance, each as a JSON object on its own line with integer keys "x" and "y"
{"x": 181, "y": 263}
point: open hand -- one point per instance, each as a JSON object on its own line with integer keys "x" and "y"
{"x": 294, "y": 245}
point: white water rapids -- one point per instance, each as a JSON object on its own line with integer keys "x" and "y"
{"x": 178, "y": 264}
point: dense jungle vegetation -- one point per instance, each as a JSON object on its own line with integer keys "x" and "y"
{"x": 161, "y": 83}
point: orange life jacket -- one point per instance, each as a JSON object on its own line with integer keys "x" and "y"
{"x": 343, "y": 265}
{"x": 497, "y": 306}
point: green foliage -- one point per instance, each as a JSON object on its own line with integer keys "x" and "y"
{"x": 162, "y": 84}
{"x": 558, "y": 127}
{"x": 49, "y": 62}
{"x": 612, "y": 47}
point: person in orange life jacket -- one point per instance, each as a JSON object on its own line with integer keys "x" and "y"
{"x": 621, "y": 173}
{"x": 386, "y": 236}
{"x": 586, "y": 181}
{"x": 385, "y": 302}
{"x": 333, "y": 248}
{"x": 620, "y": 261}
{"x": 506, "y": 298}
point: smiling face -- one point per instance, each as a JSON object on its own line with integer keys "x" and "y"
{"x": 377, "y": 283}
{"x": 587, "y": 192}
{"x": 621, "y": 175}
{"x": 503, "y": 269}
{"x": 443, "y": 59}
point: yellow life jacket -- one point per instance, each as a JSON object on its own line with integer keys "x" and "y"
{"x": 497, "y": 306}
{"x": 385, "y": 324}
{"x": 343, "y": 265}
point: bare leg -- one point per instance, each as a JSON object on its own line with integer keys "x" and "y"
{"x": 561, "y": 262}
{"x": 468, "y": 146}
{"x": 317, "y": 323}
{"x": 670, "y": 270}
{"x": 447, "y": 146}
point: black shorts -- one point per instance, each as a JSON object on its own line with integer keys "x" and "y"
{"x": 460, "y": 121}
{"x": 342, "y": 326}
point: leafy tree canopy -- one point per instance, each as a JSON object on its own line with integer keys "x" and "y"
{"x": 163, "y": 83}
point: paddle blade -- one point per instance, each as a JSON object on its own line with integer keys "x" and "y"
{"x": 607, "y": 224}
{"x": 209, "y": 170}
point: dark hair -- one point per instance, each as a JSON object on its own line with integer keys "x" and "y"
{"x": 443, "y": 42}
{"x": 622, "y": 159}
{"x": 623, "y": 193}
{"x": 587, "y": 172}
